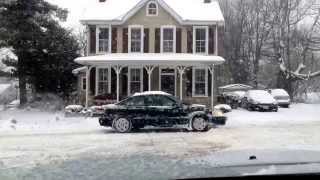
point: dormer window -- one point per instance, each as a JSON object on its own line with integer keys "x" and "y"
{"x": 152, "y": 9}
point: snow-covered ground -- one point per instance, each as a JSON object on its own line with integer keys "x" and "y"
{"x": 46, "y": 144}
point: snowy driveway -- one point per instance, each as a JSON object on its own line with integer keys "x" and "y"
{"x": 40, "y": 139}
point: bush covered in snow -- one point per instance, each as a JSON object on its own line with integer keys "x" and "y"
{"x": 47, "y": 102}
{"x": 7, "y": 93}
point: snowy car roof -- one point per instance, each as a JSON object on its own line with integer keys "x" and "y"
{"x": 183, "y": 11}
{"x": 279, "y": 92}
{"x": 146, "y": 93}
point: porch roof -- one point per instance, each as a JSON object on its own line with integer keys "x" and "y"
{"x": 131, "y": 59}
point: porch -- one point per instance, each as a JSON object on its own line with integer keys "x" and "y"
{"x": 189, "y": 77}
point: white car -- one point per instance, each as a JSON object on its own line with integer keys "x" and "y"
{"x": 259, "y": 100}
{"x": 281, "y": 96}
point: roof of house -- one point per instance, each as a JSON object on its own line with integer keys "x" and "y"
{"x": 184, "y": 11}
{"x": 170, "y": 59}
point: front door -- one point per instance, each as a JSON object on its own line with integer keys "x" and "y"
{"x": 168, "y": 80}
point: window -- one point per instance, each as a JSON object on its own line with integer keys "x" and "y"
{"x": 163, "y": 101}
{"x": 136, "y": 39}
{"x": 152, "y": 9}
{"x": 200, "y": 82}
{"x": 103, "y": 39}
{"x": 200, "y": 40}
{"x": 103, "y": 75}
{"x": 135, "y": 80}
{"x": 168, "y": 39}
{"x": 83, "y": 83}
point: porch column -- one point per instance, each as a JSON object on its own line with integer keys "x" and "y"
{"x": 211, "y": 69}
{"x": 149, "y": 70}
{"x": 87, "y": 85}
{"x": 216, "y": 49}
{"x": 118, "y": 69}
{"x": 181, "y": 70}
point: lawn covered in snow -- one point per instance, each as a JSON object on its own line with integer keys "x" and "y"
{"x": 37, "y": 144}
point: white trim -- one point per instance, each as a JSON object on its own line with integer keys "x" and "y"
{"x": 97, "y": 79}
{"x": 194, "y": 39}
{"x": 109, "y": 40}
{"x": 81, "y": 84}
{"x": 174, "y": 37}
{"x": 121, "y": 22}
{"x": 175, "y": 77}
{"x": 147, "y": 9}
{"x": 193, "y": 82}
{"x": 216, "y": 38}
{"x": 142, "y": 37}
{"x": 129, "y": 79}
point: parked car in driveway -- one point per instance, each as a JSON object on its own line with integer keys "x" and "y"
{"x": 281, "y": 96}
{"x": 259, "y": 100}
{"x": 159, "y": 109}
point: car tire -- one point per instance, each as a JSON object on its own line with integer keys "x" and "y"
{"x": 122, "y": 125}
{"x": 199, "y": 124}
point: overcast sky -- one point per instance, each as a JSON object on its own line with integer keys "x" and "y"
{"x": 75, "y": 7}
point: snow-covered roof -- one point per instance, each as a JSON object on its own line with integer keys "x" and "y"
{"x": 279, "y": 92}
{"x": 151, "y": 59}
{"x": 236, "y": 87}
{"x": 184, "y": 11}
{"x": 151, "y": 93}
{"x": 79, "y": 70}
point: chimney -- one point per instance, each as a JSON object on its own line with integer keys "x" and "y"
{"x": 207, "y": 1}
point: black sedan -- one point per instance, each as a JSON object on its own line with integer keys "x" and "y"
{"x": 156, "y": 109}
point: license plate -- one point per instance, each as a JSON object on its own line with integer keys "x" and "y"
{"x": 265, "y": 107}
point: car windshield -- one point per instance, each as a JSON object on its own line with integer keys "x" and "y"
{"x": 158, "y": 89}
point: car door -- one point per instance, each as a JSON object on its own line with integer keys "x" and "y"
{"x": 135, "y": 107}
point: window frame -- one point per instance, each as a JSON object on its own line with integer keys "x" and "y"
{"x": 174, "y": 28}
{"x": 129, "y": 79}
{"x": 108, "y": 81}
{"x": 98, "y": 27}
{"x": 194, "y": 82}
{"x": 141, "y": 27}
{"x": 147, "y": 8}
{"x": 206, "y": 28}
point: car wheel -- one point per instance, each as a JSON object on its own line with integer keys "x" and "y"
{"x": 199, "y": 124}
{"x": 122, "y": 125}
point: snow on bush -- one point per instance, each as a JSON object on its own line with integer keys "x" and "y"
{"x": 223, "y": 107}
{"x": 46, "y": 102}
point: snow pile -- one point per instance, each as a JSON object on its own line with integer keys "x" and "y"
{"x": 297, "y": 113}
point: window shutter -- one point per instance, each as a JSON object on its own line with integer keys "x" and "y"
{"x": 114, "y": 40}
{"x": 211, "y": 40}
{"x": 221, "y": 41}
{"x": 189, "y": 82}
{"x": 178, "y": 40}
{"x": 92, "y": 45}
{"x": 93, "y": 80}
{"x": 125, "y": 40}
{"x": 157, "y": 40}
{"x": 146, "y": 41}
{"x": 190, "y": 40}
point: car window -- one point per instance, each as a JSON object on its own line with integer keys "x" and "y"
{"x": 133, "y": 101}
{"x": 163, "y": 101}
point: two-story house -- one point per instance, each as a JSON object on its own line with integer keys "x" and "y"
{"x": 151, "y": 45}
